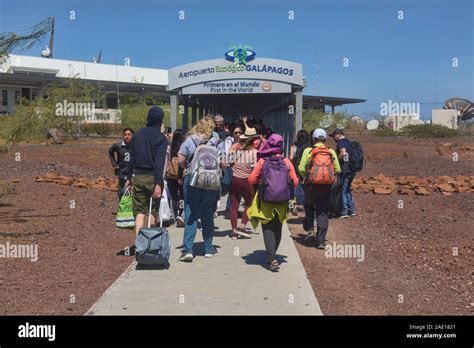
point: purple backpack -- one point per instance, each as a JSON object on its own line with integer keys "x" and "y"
{"x": 275, "y": 187}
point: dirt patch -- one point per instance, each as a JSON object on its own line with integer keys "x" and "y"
{"x": 418, "y": 249}
{"x": 73, "y": 228}
{"x": 409, "y": 251}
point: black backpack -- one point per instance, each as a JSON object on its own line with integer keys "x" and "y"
{"x": 356, "y": 157}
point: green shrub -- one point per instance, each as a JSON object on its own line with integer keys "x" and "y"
{"x": 466, "y": 129}
{"x": 32, "y": 119}
{"x": 385, "y": 132}
{"x": 102, "y": 129}
{"x": 312, "y": 119}
{"x": 429, "y": 131}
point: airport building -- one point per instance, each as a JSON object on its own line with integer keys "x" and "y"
{"x": 236, "y": 84}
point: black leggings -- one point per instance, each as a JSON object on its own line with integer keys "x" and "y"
{"x": 272, "y": 237}
{"x": 176, "y": 192}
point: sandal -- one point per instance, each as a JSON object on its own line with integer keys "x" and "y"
{"x": 274, "y": 266}
{"x": 243, "y": 234}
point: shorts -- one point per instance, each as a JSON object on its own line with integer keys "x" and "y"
{"x": 143, "y": 188}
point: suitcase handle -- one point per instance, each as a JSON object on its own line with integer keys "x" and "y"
{"x": 149, "y": 214}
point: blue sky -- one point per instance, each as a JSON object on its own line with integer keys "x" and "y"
{"x": 407, "y": 60}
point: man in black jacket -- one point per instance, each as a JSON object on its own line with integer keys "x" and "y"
{"x": 344, "y": 152}
{"x": 119, "y": 154}
{"x": 147, "y": 163}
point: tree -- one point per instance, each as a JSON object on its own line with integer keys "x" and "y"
{"x": 11, "y": 41}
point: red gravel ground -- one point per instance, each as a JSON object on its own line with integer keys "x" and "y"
{"x": 77, "y": 248}
{"x": 409, "y": 266}
{"x": 408, "y": 251}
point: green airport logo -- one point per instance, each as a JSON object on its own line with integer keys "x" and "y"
{"x": 240, "y": 55}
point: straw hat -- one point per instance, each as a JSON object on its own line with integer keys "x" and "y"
{"x": 249, "y": 133}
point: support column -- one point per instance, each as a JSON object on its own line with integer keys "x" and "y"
{"x": 194, "y": 113}
{"x": 173, "y": 111}
{"x": 299, "y": 109}
{"x": 185, "y": 115}
{"x": 201, "y": 111}
{"x": 332, "y": 109}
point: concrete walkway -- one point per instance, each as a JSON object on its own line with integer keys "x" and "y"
{"x": 235, "y": 282}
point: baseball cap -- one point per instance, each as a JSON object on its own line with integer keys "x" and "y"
{"x": 336, "y": 131}
{"x": 319, "y": 133}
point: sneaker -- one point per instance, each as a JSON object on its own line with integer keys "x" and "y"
{"x": 352, "y": 214}
{"x": 245, "y": 229}
{"x": 179, "y": 221}
{"x": 343, "y": 216}
{"x": 187, "y": 257}
{"x": 243, "y": 234}
{"x": 210, "y": 255}
{"x": 274, "y": 266}
{"x": 249, "y": 230}
{"x": 227, "y": 215}
{"x": 310, "y": 238}
{"x": 321, "y": 246}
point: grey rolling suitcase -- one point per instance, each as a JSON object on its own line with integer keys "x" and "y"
{"x": 152, "y": 244}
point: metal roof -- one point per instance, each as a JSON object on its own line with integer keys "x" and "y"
{"x": 309, "y": 101}
{"x": 312, "y": 101}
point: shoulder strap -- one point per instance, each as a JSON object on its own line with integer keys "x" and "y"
{"x": 195, "y": 148}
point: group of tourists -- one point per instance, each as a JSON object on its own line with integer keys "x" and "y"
{"x": 245, "y": 161}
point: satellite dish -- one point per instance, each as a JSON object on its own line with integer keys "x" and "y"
{"x": 357, "y": 121}
{"x": 372, "y": 125}
{"x": 327, "y": 121}
{"x": 389, "y": 121}
{"x": 464, "y": 107}
{"x": 46, "y": 52}
{"x": 341, "y": 124}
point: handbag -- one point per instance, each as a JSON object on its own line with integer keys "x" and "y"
{"x": 125, "y": 218}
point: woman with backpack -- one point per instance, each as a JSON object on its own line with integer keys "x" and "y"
{"x": 276, "y": 178}
{"x": 199, "y": 201}
{"x": 174, "y": 176}
{"x": 242, "y": 157}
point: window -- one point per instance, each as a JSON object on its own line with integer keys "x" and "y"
{"x": 17, "y": 97}
{"x": 4, "y": 97}
{"x": 111, "y": 101}
{"x": 25, "y": 93}
{"x": 34, "y": 94}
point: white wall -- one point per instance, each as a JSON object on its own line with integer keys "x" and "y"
{"x": 398, "y": 121}
{"x": 445, "y": 117}
{"x": 92, "y": 71}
